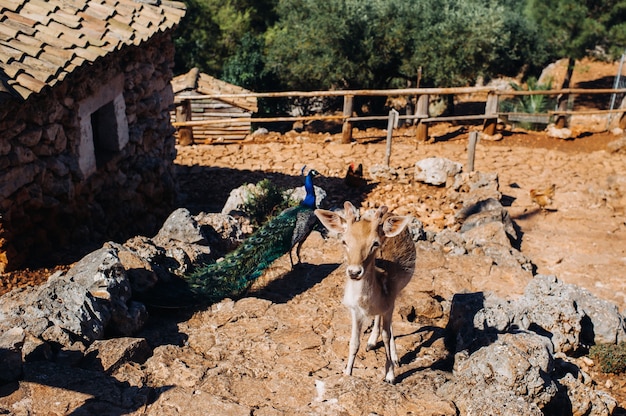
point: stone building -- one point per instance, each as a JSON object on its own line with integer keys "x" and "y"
{"x": 86, "y": 143}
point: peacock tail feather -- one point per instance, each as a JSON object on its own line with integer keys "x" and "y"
{"x": 233, "y": 275}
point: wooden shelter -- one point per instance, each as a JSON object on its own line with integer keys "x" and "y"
{"x": 195, "y": 83}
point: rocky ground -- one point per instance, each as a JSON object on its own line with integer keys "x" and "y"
{"x": 282, "y": 348}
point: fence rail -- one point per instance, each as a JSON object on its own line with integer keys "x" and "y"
{"x": 490, "y": 117}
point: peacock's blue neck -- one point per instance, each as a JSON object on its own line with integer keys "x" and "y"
{"x": 309, "y": 199}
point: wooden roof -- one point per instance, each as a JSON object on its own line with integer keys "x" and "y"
{"x": 42, "y": 41}
{"x": 198, "y": 83}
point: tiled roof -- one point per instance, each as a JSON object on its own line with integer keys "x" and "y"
{"x": 198, "y": 82}
{"x": 42, "y": 41}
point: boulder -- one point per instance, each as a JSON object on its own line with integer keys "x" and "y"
{"x": 94, "y": 296}
{"x": 436, "y": 170}
{"x": 511, "y": 372}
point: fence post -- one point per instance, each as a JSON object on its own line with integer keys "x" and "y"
{"x": 421, "y": 110}
{"x": 185, "y": 133}
{"x": 491, "y": 111}
{"x": 563, "y": 104}
{"x": 391, "y": 124}
{"x": 622, "y": 119}
{"x": 346, "y": 130}
{"x": 471, "y": 150}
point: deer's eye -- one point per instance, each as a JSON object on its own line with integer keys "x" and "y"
{"x": 375, "y": 245}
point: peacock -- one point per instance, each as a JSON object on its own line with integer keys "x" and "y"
{"x": 233, "y": 275}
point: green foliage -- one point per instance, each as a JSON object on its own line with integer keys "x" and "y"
{"x": 270, "y": 45}
{"x": 531, "y": 104}
{"x": 355, "y": 44}
{"x": 610, "y": 357}
{"x": 264, "y": 202}
{"x": 573, "y": 28}
{"x": 246, "y": 67}
{"x": 194, "y": 38}
{"x": 212, "y": 30}
{"x": 336, "y": 44}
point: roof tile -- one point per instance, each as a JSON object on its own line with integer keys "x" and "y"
{"x": 8, "y": 30}
{"x": 120, "y": 27}
{"x": 74, "y": 6}
{"x": 20, "y": 18}
{"x": 20, "y": 90}
{"x": 38, "y": 8}
{"x": 26, "y": 48}
{"x": 91, "y": 53}
{"x": 11, "y": 70}
{"x": 19, "y": 26}
{"x": 12, "y": 53}
{"x": 20, "y": 68}
{"x": 47, "y": 70}
{"x": 65, "y": 54}
{"x": 52, "y": 38}
{"x": 58, "y": 61}
{"x": 42, "y": 41}
{"x": 70, "y": 20}
{"x": 11, "y": 5}
{"x": 76, "y": 39}
{"x": 38, "y": 15}
{"x": 100, "y": 11}
{"x": 30, "y": 82}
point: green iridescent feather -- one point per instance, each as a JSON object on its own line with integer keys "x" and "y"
{"x": 234, "y": 274}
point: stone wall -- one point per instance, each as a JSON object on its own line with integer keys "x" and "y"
{"x": 89, "y": 160}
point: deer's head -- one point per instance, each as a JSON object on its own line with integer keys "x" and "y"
{"x": 362, "y": 236}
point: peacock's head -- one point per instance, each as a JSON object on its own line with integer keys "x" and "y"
{"x": 312, "y": 172}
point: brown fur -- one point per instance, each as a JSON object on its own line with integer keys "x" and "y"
{"x": 380, "y": 258}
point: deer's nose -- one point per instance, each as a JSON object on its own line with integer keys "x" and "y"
{"x": 354, "y": 272}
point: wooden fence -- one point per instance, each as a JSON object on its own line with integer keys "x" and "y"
{"x": 490, "y": 117}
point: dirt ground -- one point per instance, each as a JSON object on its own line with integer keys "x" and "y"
{"x": 581, "y": 237}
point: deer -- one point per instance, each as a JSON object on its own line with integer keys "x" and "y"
{"x": 380, "y": 260}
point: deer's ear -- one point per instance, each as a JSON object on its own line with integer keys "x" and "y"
{"x": 380, "y": 212}
{"x": 331, "y": 220}
{"x": 351, "y": 213}
{"x": 393, "y": 225}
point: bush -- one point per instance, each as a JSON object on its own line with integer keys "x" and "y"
{"x": 265, "y": 202}
{"x": 610, "y": 357}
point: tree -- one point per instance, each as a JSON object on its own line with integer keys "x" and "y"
{"x": 382, "y": 43}
{"x": 573, "y": 28}
{"x": 334, "y": 44}
{"x": 212, "y": 31}
{"x": 246, "y": 67}
{"x": 194, "y": 38}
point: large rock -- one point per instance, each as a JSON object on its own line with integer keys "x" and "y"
{"x": 486, "y": 211}
{"x": 93, "y": 297}
{"x": 436, "y": 170}
{"x": 589, "y": 320}
{"x": 510, "y": 375}
{"x": 473, "y": 187}
{"x": 570, "y": 316}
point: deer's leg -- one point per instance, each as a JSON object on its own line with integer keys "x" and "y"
{"x": 390, "y": 347}
{"x": 355, "y": 339}
{"x": 373, "y": 339}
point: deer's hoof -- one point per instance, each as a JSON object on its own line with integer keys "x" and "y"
{"x": 390, "y": 379}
